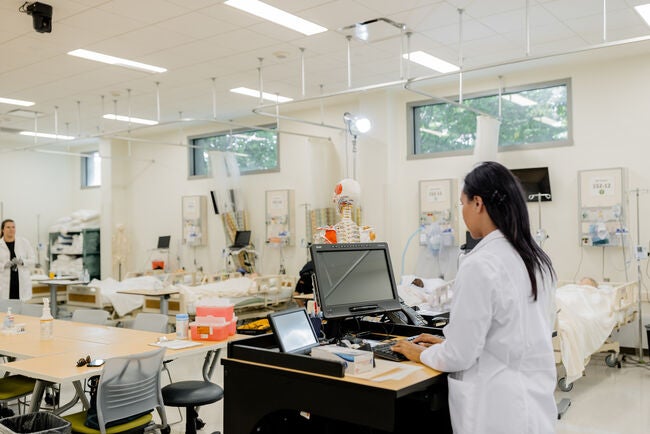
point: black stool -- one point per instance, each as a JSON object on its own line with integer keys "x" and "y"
{"x": 190, "y": 394}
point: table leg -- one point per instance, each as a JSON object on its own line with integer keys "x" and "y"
{"x": 37, "y": 395}
{"x": 53, "y": 306}
{"x": 164, "y": 304}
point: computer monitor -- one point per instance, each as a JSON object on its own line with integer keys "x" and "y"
{"x": 354, "y": 279}
{"x": 534, "y": 180}
{"x": 293, "y": 330}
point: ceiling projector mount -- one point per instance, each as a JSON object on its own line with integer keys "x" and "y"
{"x": 41, "y": 15}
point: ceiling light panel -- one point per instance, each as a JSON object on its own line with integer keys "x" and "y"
{"x": 117, "y": 61}
{"x": 431, "y": 62}
{"x": 277, "y": 16}
{"x": 16, "y": 102}
{"x": 46, "y": 135}
{"x": 256, "y": 93}
{"x": 130, "y": 119}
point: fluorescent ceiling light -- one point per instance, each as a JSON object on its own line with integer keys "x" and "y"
{"x": 111, "y": 60}
{"x": 46, "y": 135}
{"x": 16, "y": 102}
{"x": 130, "y": 119}
{"x": 549, "y": 121}
{"x": 519, "y": 100}
{"x": 431, "y": 62}
{"x": 256, "y": 94}
{"x": 644, "y": 11}
{"x": 277, "y": 16}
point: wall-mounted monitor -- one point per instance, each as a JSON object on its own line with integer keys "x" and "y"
{"x": 534, "y": 180}
{"x": 354, "y": 279}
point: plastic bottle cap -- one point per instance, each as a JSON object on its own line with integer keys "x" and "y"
{"x": 182, "y": 316}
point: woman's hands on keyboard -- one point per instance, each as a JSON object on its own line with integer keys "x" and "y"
{"x": 412, "y": 348}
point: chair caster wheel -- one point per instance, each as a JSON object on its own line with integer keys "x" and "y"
{"x": 199, "y": 423}
{"x": 166, "y": 430}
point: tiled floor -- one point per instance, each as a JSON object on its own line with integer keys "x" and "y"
{"x": 604, "y": 401}
{"x": 608, "y": 400}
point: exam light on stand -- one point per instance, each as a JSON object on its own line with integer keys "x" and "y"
{"x": 355, "y": 126}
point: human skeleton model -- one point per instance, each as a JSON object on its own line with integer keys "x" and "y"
{"x": 346, "y": 193}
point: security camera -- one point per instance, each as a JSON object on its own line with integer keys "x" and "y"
{"x": 41, "y": 15}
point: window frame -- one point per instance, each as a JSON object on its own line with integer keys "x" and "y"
{"x": 192, "y": 149}
{"x": 85, "y": 161}
{"x": 410, "y": 119}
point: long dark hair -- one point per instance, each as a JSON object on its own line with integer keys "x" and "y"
{"x": 2, "y": 228}
{"x": 504, "y": 201}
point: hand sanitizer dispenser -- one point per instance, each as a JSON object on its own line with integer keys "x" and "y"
{"x": 47, "y": 321}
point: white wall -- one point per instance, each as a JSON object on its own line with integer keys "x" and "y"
{"x": 35, "y": 190}
{"x": 610, "y": 118}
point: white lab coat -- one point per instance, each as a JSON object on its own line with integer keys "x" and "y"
{"x": 25, "y": 252}
{"x": 498, "y": 349}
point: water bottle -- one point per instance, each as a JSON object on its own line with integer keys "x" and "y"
{"x": 47, "y": 321}
{"x": 85, "y": 276}
{"x": 182, "y": 324}
{"x": 9, "y": 320}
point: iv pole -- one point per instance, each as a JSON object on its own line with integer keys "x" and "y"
{"x": 636, "y": 192}
{"x": 540, "y": 235}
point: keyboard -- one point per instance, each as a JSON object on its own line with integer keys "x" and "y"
{"x": 384, "y": 351}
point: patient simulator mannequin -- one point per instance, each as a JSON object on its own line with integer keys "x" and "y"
{"x": 588, "y": 281}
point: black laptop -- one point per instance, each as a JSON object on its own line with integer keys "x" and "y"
{"x": 242, "y": 239}
{"x": 293, "y": 330}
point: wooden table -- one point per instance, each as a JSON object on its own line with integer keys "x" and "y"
{"x": 54, "y": 360}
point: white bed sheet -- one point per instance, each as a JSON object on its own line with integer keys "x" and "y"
{"x": 586, "y": 318}
{"x": 125, "y": 303}
{"x": 241, "y": 291}
{"x": 434, "y": 297}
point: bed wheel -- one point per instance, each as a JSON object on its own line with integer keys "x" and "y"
{"x": 563, "y": 386}
{"x": 612, "y": 360}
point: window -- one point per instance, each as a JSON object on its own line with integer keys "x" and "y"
{"x": 256, "y": 150}
{"x": 91, "y": 170}
{"x": 531, "y": 116}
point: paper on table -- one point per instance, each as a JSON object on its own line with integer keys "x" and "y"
{"x": 387, "y": 370}
{"x": 175, "y": 344}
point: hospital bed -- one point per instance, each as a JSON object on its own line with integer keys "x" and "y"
{"x": 104, "y": 294}
{"x": 252, "y": 296}
{"x": 431, "y": 299}
{"x": 586, "y": 318}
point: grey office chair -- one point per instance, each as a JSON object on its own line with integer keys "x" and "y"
{"x": 129, "y": 388}
{"x": 16, "y": 306}
{"x": 151, "y": 322}
{"x": 31, "y": 309}
{"x": 194, "y": 393}
{"x": 91, "y": 316}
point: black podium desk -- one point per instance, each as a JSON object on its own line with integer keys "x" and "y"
{"x": 263, "y": 396}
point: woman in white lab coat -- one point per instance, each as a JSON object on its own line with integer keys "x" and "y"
{"x": 497, "y": 347}
{"x": 16, "y": 259}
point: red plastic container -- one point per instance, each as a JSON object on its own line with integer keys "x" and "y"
{"x": 209, "y": 329}
{"x": 225, "y": 311}
{"x": 232, "y": 326}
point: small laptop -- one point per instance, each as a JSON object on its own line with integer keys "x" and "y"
{"x": 293, "y": 330}
{"x": 163, "y": 242}
{"x": 242, "y": 239}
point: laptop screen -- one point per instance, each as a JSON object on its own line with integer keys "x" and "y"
{"x": 293, "y": 330}
{"x": 163, "y": 242}
{"x": 242, "y": 238}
